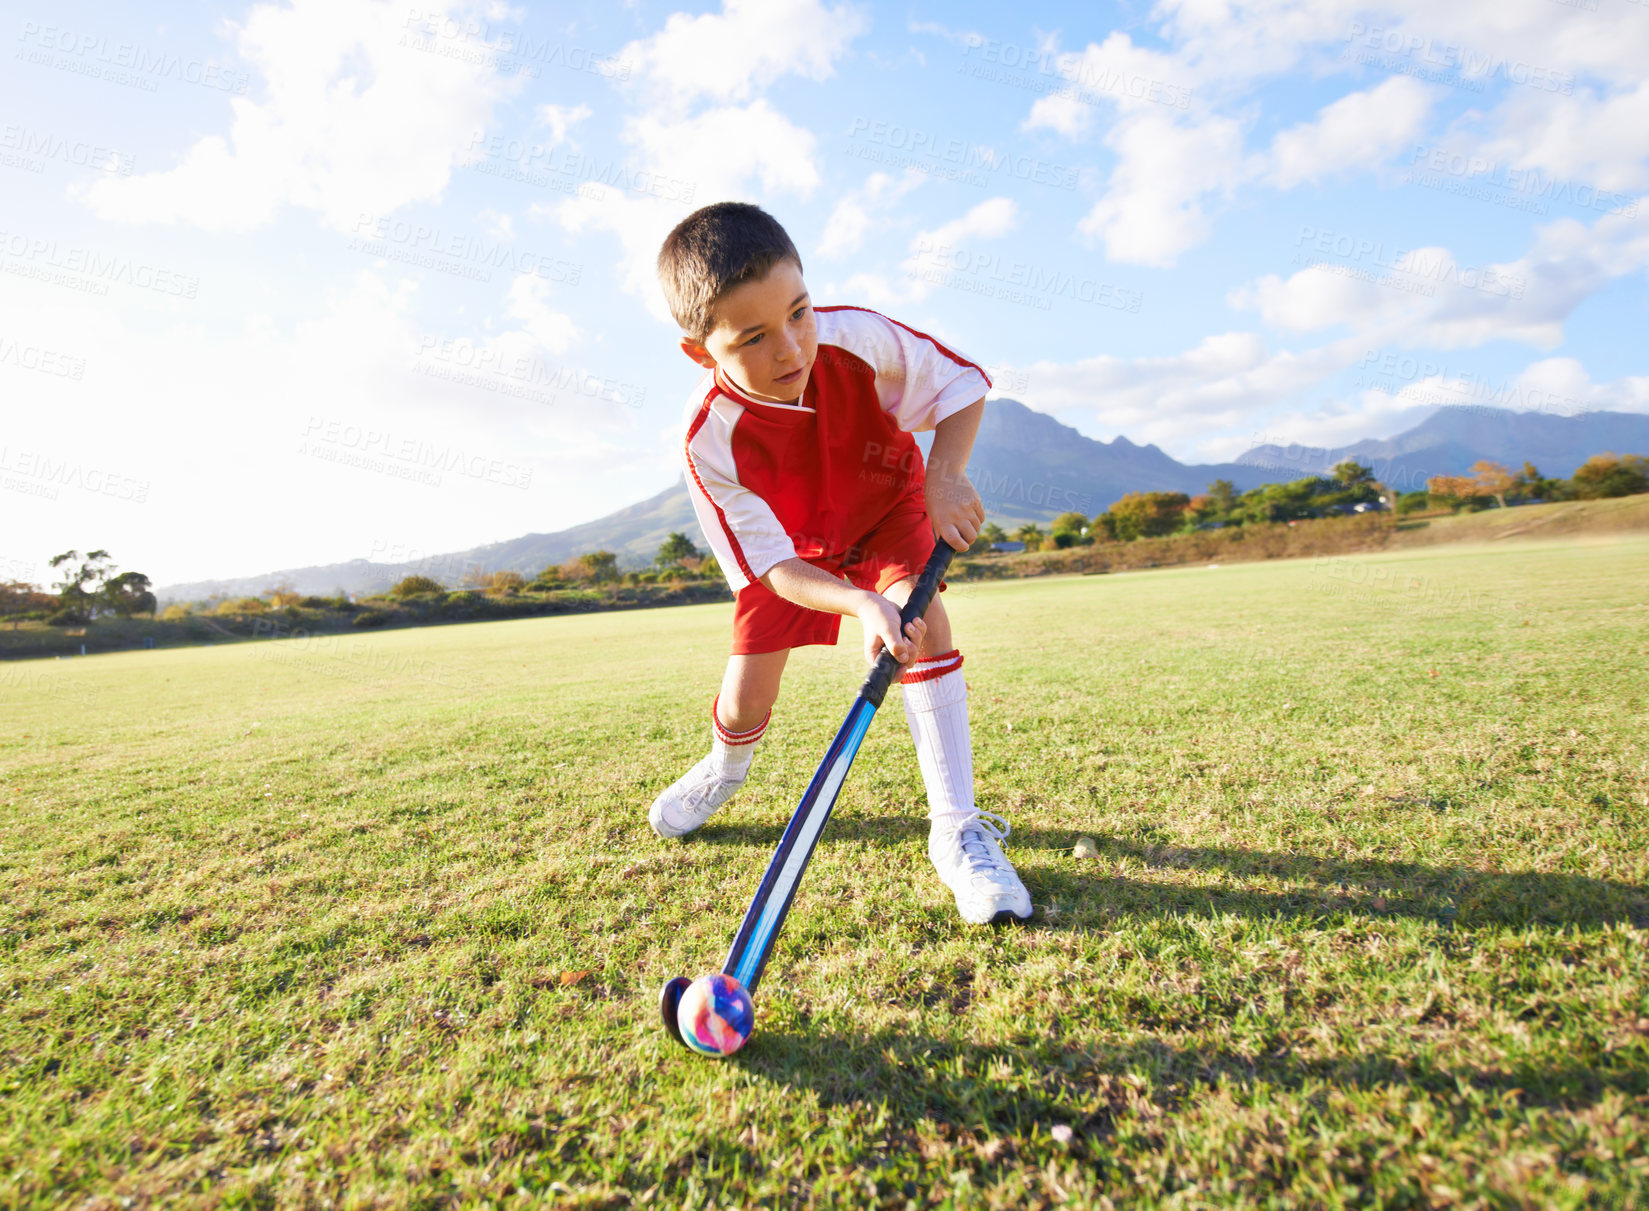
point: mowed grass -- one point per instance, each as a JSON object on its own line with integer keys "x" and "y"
{"x": 383, "y": 924}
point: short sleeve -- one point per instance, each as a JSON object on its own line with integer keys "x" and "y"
{"x": 919, "y": 380}
{"x": 743, "y": 532}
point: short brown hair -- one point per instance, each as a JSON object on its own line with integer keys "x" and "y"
{"x": 712, "y": 250}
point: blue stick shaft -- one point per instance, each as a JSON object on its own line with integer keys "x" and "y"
{"x": 754, "y": 940}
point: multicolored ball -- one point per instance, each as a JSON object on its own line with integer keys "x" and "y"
{"x": 716, "y": 1015}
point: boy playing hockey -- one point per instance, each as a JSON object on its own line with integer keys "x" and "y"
{"x": 803, "y": 471}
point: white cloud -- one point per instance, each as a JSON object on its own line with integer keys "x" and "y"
{"x": 721, "y": 149}
{"x": 1152, "y": 210}
{"x": 528, "y": 302}
{"x": 1118, "y": 71}
{"x": 855, "y": 212}
{"x": 326, "y": 410}
{"x": 1425, "y": 298}
{"x": 1360, "y": 130}
{"x": 1561, "y": 385}
{"x": 561, "y": 119}
{"x": 352, "y": 121}
{"x": 1222, "y": 382}
{"x": 1602, "y": 141}
{"x": 721, "y": 153}
{"x": 729, "y": 55}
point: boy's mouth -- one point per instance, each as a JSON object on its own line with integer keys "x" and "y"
{"x": 794, "y": 376}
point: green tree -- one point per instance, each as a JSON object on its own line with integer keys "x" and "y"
{"x": 1030, "y": 534}
{"x": 599, "y": 566}
{"x": 1287, "y": 502}
{"x": 127, "y": 594}
{"x": 1069, "y": 523}
{"x": 1148, "y": 514}
{"x": 1351, "y": 474}
{"x": 1609, "y": 475}
{"x": 673, "y": 550}
{"x": 1104, "y": 526}
{"x": 1530, "y": 484}
{"x": 18, "y": 598}
{"x": 411, "y": 586}
{"x": 505, "y": 584}
{"x": 1222, "y": 500}
{"x": 73, "y": 594}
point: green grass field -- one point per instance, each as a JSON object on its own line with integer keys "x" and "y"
{"x": 380, "y": 922}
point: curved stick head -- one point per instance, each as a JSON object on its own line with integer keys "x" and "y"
{"x": 669, "y": 1000}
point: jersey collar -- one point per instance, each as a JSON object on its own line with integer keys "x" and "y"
{"x": 729, "y": 389}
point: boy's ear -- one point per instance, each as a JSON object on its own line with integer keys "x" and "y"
{"x": 697, "y": 351}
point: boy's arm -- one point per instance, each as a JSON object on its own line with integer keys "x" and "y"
{"x": 799, "y": 581}
{"x": 954, "y": 506}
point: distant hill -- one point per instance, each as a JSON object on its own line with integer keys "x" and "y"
{"x": 1027, "y": 467}
{"x": 1452, "y": 439}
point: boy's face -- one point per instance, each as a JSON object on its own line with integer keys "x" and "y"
{"x": 765, "y": 338}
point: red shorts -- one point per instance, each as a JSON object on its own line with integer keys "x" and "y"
{"x": 898, "y": 547}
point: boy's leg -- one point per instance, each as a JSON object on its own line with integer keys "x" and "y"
{"x": 962, "y": 841}
{"x": 738, "y": 719}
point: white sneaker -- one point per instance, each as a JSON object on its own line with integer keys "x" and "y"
{"x": 693, "y": 798}
{"x": 973, "y": 866}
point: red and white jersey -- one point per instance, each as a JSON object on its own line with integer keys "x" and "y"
{"x": 773, "y": 481}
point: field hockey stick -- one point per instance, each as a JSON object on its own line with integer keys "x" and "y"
{"x": 754, "y": 942}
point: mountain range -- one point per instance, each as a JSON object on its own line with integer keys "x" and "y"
{"x": 1027, "y": 467}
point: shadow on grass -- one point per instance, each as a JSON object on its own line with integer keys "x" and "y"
{"x": 1330, "y": 885}
{"x": 1326, "y": 885}
{"x": 1029, "y": 1083}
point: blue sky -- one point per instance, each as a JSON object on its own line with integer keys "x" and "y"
{"x": 292, "y": 283}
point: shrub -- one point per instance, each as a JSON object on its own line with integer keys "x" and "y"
{"x": 175, "y": 611}
{"x": 411, "y": 586}
{"x": 242, "y": 605}
{"x": 1608, "y": 475}
{"x": 1412, "y": 502}
{"x": 505, "y": 584}
{"x": 370, "y": 618}
{"x": 64, "y": 618}
{"x": 316, "y": 603}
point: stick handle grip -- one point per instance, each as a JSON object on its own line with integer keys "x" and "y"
{"x": 927, "y": 586}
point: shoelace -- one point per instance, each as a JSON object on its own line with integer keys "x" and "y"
{"x": 695, "y": 798}
{"x": 976, "y": 851}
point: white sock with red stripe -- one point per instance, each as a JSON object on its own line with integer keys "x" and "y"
{"x": 731, "y": 750}
{"x": 936, "y": 705}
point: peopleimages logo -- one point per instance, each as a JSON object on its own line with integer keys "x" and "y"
{"x": 463, "y": 361}
{"x": 452, "y": 251}
{"x": 1454, "y": 170}
{"x": 43, "y": 144}
{"x": 1065, "y": 75}
{"x": 125, "y": 63}
{"x": 413, "y": 458}
{"x": 89, "y": 265}
{"x": 51, "y": 473}
{"x": 555, "y": 166}
{"x": 1451, "y": 56}
{"x": 961, "y": 154}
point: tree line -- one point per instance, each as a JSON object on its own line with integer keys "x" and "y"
{"x": 87, "y": 586}
{"x": 1349, "y": 488}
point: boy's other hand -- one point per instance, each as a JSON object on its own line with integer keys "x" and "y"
{"x": 880, "y": 619}
{"x": 955, "y": 509}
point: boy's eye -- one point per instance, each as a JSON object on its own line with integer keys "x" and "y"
{"x": 799, "y": 312}
{"x": 755, "y": 338}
